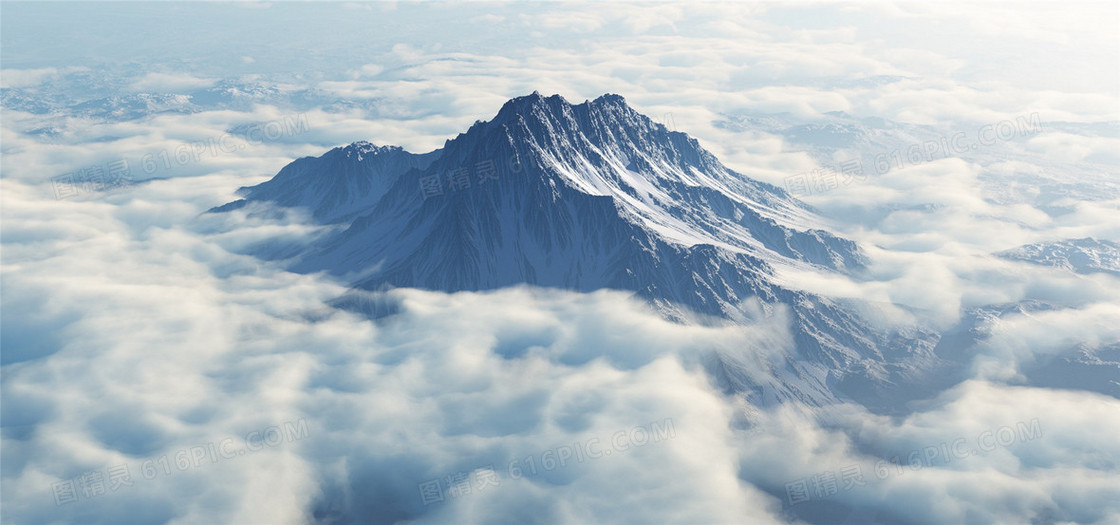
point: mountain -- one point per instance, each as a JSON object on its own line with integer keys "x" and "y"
{"x": 1083, "y": 256}
{"x": 591, "y": 196}
{"x": 337, "y": 186}
{"x": 119, "y": 108}
{"x": 1092, "y": 366}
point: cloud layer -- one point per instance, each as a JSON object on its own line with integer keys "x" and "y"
{"x": 137, "y": 339}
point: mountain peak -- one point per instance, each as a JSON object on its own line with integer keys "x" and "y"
{"x": 536, "y": 106}
{"x": 363, "y": 147}
{"x": 610, "y": 98}
{"x": 527, "y": 104}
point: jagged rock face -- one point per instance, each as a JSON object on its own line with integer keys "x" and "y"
{"x": 584, "y": 197}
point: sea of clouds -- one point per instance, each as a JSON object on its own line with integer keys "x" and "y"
{"x": 153, "y": 373}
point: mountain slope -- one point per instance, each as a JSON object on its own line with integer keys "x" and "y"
{"x": 335, "y": 187}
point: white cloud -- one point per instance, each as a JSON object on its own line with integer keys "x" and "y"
{"x": 170, "y": 82}
{"x": 25, "y": 78}
{"x": 190, "y": 344}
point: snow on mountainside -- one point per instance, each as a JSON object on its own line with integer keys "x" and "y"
{"x": 1076, "y": 255}
{"x": 586, "y": 197}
